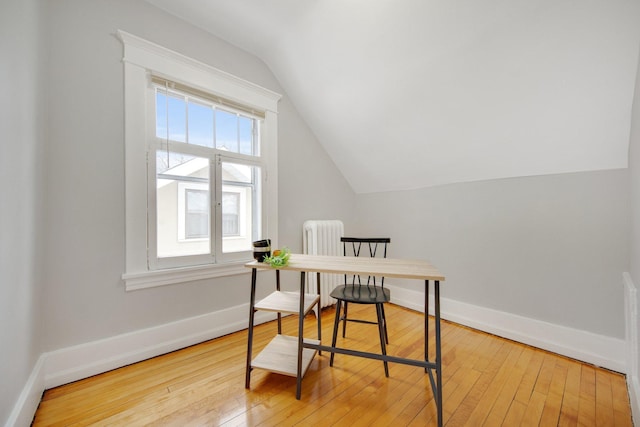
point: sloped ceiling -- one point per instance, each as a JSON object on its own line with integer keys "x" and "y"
{"x": 407, "y": 94}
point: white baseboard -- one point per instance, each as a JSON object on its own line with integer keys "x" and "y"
{"x": 84, "y": 360}
{"x": 632, "y": 339}
{"x": 29, "y": 399}
{"x": 592, "y": 348}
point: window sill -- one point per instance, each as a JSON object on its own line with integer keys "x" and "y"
{"x": 155, "y": 278}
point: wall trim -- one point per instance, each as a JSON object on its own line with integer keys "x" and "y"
{"x": 599, "y": 350}
{"x": 29, "y": 399}
{"x": 632, "y": 340}
{"x": 84, "y": 360}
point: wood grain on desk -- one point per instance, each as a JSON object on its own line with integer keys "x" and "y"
{"x": 387, "y": 267}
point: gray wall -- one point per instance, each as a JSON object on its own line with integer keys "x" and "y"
{"x": 20, "y": 192}
{"x": 634, "y": 168}
{"x": 84, "y": 243}
{"x": 551, "y": 248}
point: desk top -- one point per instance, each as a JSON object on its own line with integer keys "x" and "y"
{"x": 381, "y": 267}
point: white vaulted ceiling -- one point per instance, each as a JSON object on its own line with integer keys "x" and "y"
{"x": 406, "y": 94}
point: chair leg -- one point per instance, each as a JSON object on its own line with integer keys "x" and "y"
{"x": 384, "y": 319}
{"x": 379, "y": 311}
{"x": 336, "y": 325}
{"x": 344, "y": 321}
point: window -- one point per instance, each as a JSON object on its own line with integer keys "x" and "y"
{"x": 201, "y": 169}
{"x": 197, "y": 142}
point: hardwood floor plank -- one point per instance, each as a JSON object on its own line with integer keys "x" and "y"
{"x": 587, "y": 404}
{"x": 487, "y": 380}
{"x": 604, "y": 399}
{"x": 530, "y": 372}
{"x": 492, "y": 391}
{"x": 533, "y": 412}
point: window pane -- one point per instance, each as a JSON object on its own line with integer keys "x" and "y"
{"x": 200, "y": 124}
{"x": 227, "y": 131}
{"x": 161, "y": 115}
{"x": 234, "y": 172}
{"x": 182, "y": 204}
{"x": 177, "y": 118}
{"x": 197, "y": 214}
{"x": 246, "y": 135}
{"x": 240, "y": 206}
{"x": 230, "y": 214}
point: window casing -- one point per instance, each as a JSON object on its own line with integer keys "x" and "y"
{"x": 195, "y": 197}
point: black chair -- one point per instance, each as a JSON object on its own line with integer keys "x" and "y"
{"x": 357, "y": 290}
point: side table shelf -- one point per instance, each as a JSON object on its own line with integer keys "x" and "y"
{"x": 284, "y": 354}
{"x": 287, "y": 302}
{"x": 281, "y": 356}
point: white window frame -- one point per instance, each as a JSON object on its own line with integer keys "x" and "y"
{"x": 142, "y": 58}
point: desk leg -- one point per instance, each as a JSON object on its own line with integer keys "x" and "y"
{"x": 438, "y": 352}
{"x": 251, "y": 316}
{"x": 318, "y": 312}
{"x": 426, "y": 322}
{"x": 300, "y": 336}
{"x": 279, "y": 314}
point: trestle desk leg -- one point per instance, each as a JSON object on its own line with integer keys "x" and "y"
{"x": 318, "y": 311}
{"x": 426, "y": 322}
{"x": 251, "y": 317}
{"x": 300, "y": 336}
{"x": 438, "y": 351}
{"x": 383, "y": 346}
{"x": 279, "y": 314}
{"x": 336, "y": 323}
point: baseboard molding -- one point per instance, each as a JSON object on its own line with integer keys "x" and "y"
{"x": 592, "y": 348}
{"x": 84, "y": 360}
{"x": 632, "y": 339}
{"x": 29, "y": 399}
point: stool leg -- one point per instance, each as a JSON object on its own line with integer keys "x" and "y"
{"x": 344, "y": 320}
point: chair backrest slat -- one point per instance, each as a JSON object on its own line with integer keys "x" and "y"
{"x": 356, "y": 246}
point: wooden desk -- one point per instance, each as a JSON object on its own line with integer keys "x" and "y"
{"x": 299, "y": 351}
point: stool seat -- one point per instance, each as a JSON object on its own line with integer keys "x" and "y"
{"x": 362, "y": 294}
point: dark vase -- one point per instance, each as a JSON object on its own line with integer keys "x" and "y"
{"x": 261, "y": 249}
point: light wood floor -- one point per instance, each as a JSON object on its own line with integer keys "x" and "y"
{"x": 487, "y": 381}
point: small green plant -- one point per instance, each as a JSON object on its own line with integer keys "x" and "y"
{"x": 279, "y": 258}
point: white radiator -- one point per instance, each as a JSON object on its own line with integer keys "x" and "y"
{"x": 323, "y": 238}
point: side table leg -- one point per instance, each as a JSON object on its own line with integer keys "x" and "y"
{"x": 279, "y": 314}
{"x": 318, "y": 312}
{"x": 252, "y": 311}
{"x": 426, "y": 322}
{"x": 300, "y": 336}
